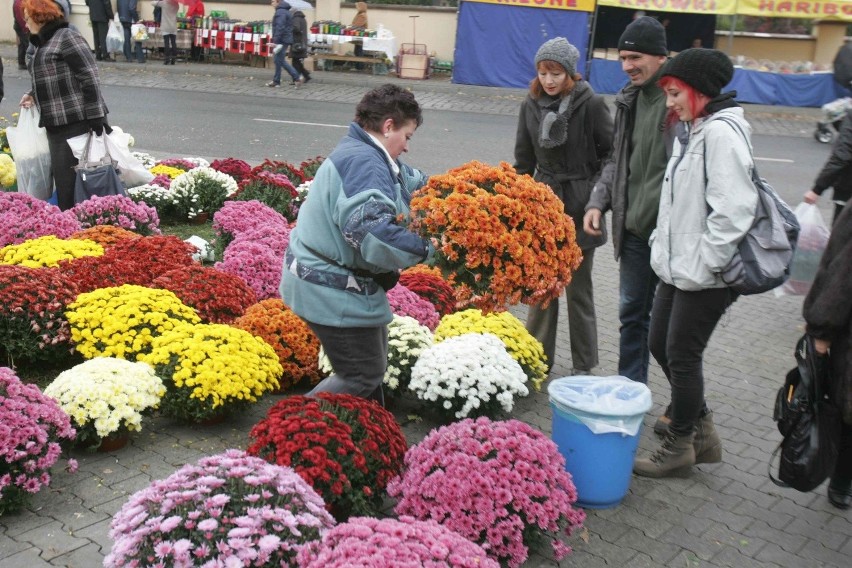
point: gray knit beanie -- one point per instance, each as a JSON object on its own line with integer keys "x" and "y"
{"x": 559, "y": 50}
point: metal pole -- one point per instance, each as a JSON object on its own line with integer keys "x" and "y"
{"x": 591, "y": 42}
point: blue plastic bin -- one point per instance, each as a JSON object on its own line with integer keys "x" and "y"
{"x": 596, "y": 425}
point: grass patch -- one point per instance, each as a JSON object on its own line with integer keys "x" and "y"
{"x": 186, "y": 230}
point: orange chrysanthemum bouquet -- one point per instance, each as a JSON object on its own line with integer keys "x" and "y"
{"x": 503, "y": 238}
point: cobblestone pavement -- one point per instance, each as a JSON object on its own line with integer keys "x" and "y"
{"x": 727, "y": 514}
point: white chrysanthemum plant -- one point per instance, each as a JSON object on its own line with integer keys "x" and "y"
{"x": 145, "y": 159}
{"x": 201, "y": 190}
{"x": 468, "y": 376}
{"x": 106, "y": 396}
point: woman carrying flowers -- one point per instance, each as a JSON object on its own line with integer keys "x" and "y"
{"x": 564, "y": 132}
{"x": 348, "y": 247}
{"x": 66, "y": 89}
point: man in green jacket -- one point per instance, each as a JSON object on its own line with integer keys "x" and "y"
{"x": 630, "y": 184}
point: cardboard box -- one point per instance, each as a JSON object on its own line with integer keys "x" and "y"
{"x": 413, "y": 66}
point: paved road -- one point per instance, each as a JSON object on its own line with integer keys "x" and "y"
{"x": 726, "y": 514}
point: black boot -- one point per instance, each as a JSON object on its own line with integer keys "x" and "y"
{"x": 840, "y": 492}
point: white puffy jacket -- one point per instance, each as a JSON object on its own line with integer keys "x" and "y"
{"x": 708, "y": 203}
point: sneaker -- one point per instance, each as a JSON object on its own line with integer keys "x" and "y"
{"x": 273, "y": 84}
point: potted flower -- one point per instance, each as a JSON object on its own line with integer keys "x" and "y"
{"x": 31, "y": 428}
{"x": 33, "y": 326}
{"x": 404, "y": 302}
{"x": 106, "y": 398}
{"x": 48, "y": 251}
{"x": 104, "y": 235}
{"x": 520, "y": 343}
{"x": 182, "y": 164}
{"x": 120, "y": 211}
{"x": 504, "y": 238}
{"x": 293, "y": 173}
{"x": 201, "y": 191}
{"x": 346, "y": 447}
{"x": 229, "y": 509}
{"x": 8, "y": 173}
{"x": 238, "y": 217}
{"x": 23, "y": 217}
{"x": 295, "y": 344}
{"x": 217, "y": 296}
{"x": 161, "y": 171}
{"x": 407, "y": 339}
{"x": 502, "y": 484}
{"x": 122, "y": 321}
{"x": 256, "y": 256}
{"x": 428, "y": 284}
{"x": 211, "y": 370}
{"x": 468, "y": 375}
{"x": 272, "y": 189}
{"x": 310, "y": 166}
{"x": 158, "y": 195}
{"x": 236, "y": 168}
{"x": 365, "y": 541}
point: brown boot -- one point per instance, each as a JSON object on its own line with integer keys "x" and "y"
{"x": 708, "y": 445}
{"x": 673, "y": 459}
{"x": 661, "y": 426}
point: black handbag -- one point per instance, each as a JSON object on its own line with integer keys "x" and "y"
{"x": 98, "y": 177}
{"x": 809, "y": 421}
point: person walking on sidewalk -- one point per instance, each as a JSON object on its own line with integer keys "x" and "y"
{"x": 127, "y": 14}
{"x": 282, "y": 37}
{"x": 629, "y": 186}
{"x": 828, "y": 313}
{"x": 837, "y": 171}
{"x": 299, "y": 49}
{"x": 348, "y": 247}
{"x": 708, "y": 203}
{"x": 564, "y": 133}
{"x": 168, "y": 27}
{"x": 21, "y": 32}
{"x": 100, "y": 14}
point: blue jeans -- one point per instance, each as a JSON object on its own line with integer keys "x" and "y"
{"x": 281, "y": 62}
{"x": 140, "y": 51}
{"x": 637, "y": 282}
{"x": 128, "y": 50}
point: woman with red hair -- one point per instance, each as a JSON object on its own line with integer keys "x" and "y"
{"x": 65, "y": 88}
{"x": 707, "y": 204}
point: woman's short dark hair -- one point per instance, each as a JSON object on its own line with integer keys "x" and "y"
{"x": 384, "y": 102}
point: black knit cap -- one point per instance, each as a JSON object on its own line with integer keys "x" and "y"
{"x": 645, "y": 35}
{"x": 707, "y": 70}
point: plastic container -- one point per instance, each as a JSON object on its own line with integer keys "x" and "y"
{"x": 596, "y": 425}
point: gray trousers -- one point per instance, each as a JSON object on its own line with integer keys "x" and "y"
{"x": 359, "y": 356}
{"x": 582, "y": 321}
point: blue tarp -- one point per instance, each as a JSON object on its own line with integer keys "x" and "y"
{"x": 496, "y": 45}
{"x": 752, "y": 86}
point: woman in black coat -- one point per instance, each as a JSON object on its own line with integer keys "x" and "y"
{"x": 564, "y": 133}
{"x": 828, "y": 313}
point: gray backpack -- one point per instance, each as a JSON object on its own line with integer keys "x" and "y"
{"x": 763, "y": 257}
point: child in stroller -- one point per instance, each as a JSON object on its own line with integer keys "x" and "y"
{"x": 834, "y": 111}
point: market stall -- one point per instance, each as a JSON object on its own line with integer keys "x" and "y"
{"x": 496, "y": 42}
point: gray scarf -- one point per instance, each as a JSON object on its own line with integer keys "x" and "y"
{"x": 553, "y": 130}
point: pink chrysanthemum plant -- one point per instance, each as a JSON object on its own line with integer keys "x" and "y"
{"x": 404, "y": 302}
{"x": 23, "y": 217}
{"x": 502, "y": 484}
{"x": 31, "y": 428}
{"x": 238, "y": 217}
{"x": 378, "y": 543}
{"x": 229, "y": 509}
{"x": 119, "y": 211}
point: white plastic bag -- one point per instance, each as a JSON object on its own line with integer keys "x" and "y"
{"x": 813, "y": 238}
{"x": 604, "y": 404}
{"x": 28, "y": 142}
{"x": 115, "y": 36}
{"x": 130, "y": 169}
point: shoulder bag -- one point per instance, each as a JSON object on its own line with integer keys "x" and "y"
{"x": 98, "y": 177}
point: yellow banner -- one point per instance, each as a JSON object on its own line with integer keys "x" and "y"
{"x": 682, "y": 6}
{"x": 579, "y": 5}
{"x": 838, "y": 10}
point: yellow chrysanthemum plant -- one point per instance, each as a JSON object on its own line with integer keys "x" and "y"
{"x": 48, "y": 251}
{"x": 520, "y": 344}
{"x": 212, "y": 370}
{"x": 122, "y": 321}
{"x": 8, "y": 171}
{"x": 106, "y": 397}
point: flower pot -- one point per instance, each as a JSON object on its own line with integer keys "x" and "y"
{"x": 113, "y": 442}
{"x": 201, "y": 218}
{"x": 212, "y": 420}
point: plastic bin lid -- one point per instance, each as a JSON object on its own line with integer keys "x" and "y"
{"x": 605, "y": 396}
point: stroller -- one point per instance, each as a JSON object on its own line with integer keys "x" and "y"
{"x": 834, "y": 111}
